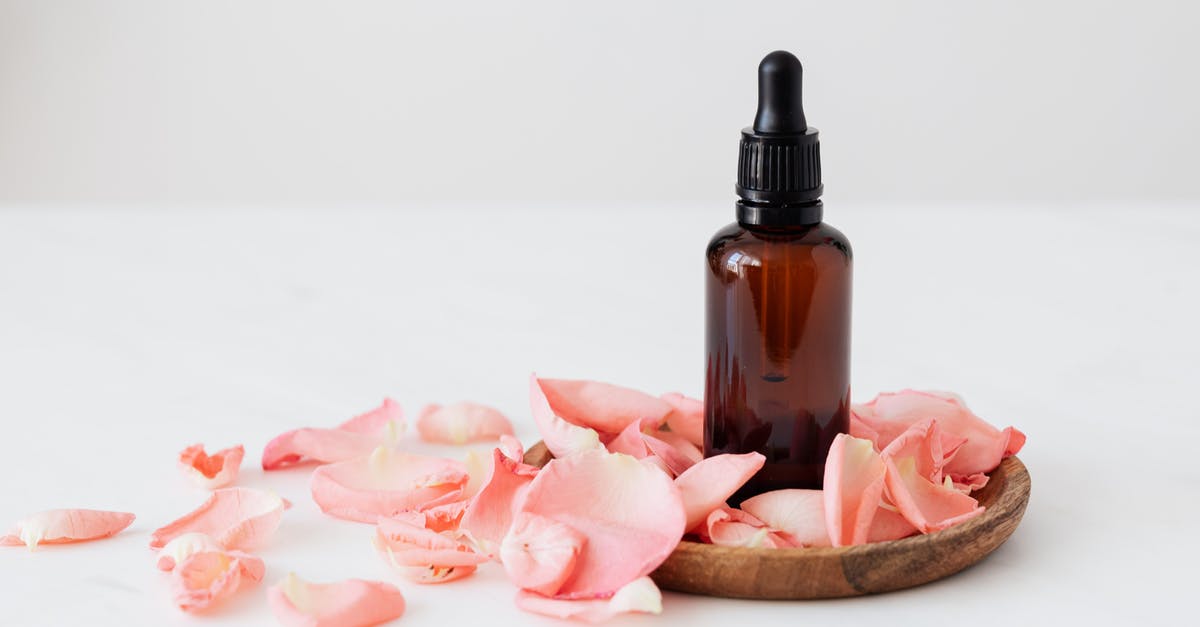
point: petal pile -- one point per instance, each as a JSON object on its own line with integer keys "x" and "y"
{"x": 64, "y": 526}
{"x": 386, "y": 483}
{"x": 461, "y": 423}
{"x": 354, "y": 438}
{"x": 349, "y": 603}
{"x": 211, "y": 471}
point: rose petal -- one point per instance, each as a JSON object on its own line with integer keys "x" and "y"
{"x": 461, "y": 423}
{"x": 211, "y": 471}
{"x": 424, "y": 555}
{"x": 639, "y": 595}
{"x": 631, "y": 514}
{"x": 63, "y": 526}
{"x": 726, "y": 526}
{"x": 561, "y": 437}
{"x": 489, "y": 515}
{"x": 686, "y": 417}
{"x": 629, "y": 441}
{"x": 853, "y": 485}
{"x": 913, "y": 481}
{"x": 797, "y": 514}
{"x": 709, "y": 483}
{"x": 350, "y": 603}
{"x": 678, "y": 453}
{"x": 354, "y": 438}
{"x": 386, "y": 483}
{"x": 539, "y": 554}
{"x": 888, "y": 524}
{"x": 604, "y": 407}
{"x": 184, "y": 546}
{"x": 237, "y": 518}
{"x": 208, "y": 577}
{"x": 512, "y": 448}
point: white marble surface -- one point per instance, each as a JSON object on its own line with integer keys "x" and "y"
{"x": 126, "y": 335}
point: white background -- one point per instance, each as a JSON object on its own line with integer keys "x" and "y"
{"x": 219, "y": 221}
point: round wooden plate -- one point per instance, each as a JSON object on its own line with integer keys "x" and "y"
{"x": 823, "y": 573}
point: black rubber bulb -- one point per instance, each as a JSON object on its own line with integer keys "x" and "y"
{"x": 779, "y": 107}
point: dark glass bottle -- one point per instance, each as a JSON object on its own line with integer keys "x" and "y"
{"x": 778, "y": 301}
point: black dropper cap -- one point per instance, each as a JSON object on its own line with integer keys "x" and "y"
{"x": 779, "y": 163}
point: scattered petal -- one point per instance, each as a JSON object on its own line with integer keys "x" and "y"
{"x": 539, "y": 554}
{"x": 461, "y": 423}
{"x": 184, "y": 546}
{"x": 705, "y": 486}
{"x": 354, "y": 438}
{"x": 237, "y": 518}
{"x": 686, "y": 417}
{"x": 631, "y": 514}
{"x": 726, "y": 526}
{"x": 914, "y": 482}
{"x": 604, "y": 407}
{"x": 424, "y": 555}
{"x": 489, "y": 515}
{"x": 386, "y": 483}
{"x": 350, "y": 603}
{"x": 799, "y": 515}
{"x": 853, "y": 487}
{"x": 211, "y": 471}
{"x": 639, "y": 595}
{"x": 561, "y": 437}
{"x": 208, "y": 577}
{"x": 64, "y": 526}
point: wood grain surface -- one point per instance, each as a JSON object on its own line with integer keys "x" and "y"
{"x": 821, "y": 573}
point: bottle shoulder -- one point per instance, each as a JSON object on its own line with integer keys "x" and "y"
{"x": 754, "y": 241}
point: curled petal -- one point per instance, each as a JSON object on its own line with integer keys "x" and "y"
{"x": 237, "y": 518}
{"x": 631, "y": 514}
{"x": 561, "y": 437}
{"x": 489, "y": 515}
{"x": 639, "y": 595}
{"x": 208, "y": 577}
{"x": 705, "y": 486}
{"x": 888, "y": 524}
{"x": 350, "y": 603}
{"x": 424, "y": 555}
{"x": 461, "y": 423}
{"x": 184, "y": 546}
{"x": 853, "y": 487}
{"x": 63, "y": 526}
{"x": 629, "y": 441}
{"x": 211, "y": 471}
{"x": 726, "y": 526}
{"x": 386, "y": 483}
{"x": 539, "y": 554}
{"x": 799, "y": 515}
{"x": 354, "y": 438}
{"x": 512, "y": 447}
{"x": 914, "y": 485}
{"x": 604, "y": 407}
{"x": 678, "y": 453}
{"x": 686, "y": 417}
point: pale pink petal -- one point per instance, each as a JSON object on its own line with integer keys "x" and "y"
{"x": 631, "y": 514}
{"x": 798, "y": 514}
{"x": 206, "y": 578}
{"x": 686, "y": 417}
{"x": 677, "y": 458}
{"x": 386, "y": 483}
{"x": 512, "y": 448}
{"x": 853, "y": 485}
{"x": 238, "y": 518}
{"x": 445, "y": 516}
{"x": 354, "y": 438}
{"x": 561, "y": 437}
{"x": 726, "y": 526}
{"x": 604, "y": 407}
{"x": 211, "y": 471}
{"x": 350, "y": 603}
{"x": 461, "y": 423}
{"x": 888, "y": 524}
{"x": 969, "y": 483}
{"x": 639, "y": 595}
{"x": 489, "y": 515}
{"x": 706, "y": 485}
{"x": 629, "y": 441}
{"x": 539, "y": 554}
{"x": 184, "y": 546}
{"x": 914, "y": 482}
{"x": 424, "y": 555}
{"x": 63, "y": 526}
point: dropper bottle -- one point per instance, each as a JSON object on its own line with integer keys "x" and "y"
{"x": 778, "y": 301}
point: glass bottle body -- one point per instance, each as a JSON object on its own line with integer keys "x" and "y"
{"x": 778, "y": 344}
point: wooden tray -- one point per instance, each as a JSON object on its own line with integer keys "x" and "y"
{"x": 823, "y": 573}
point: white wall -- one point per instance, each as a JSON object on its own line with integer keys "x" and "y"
{"x": 167, "y": 103}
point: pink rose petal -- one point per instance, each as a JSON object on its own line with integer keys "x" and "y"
{"x": 639, "y": 595}
{"x": 461, "y": 423}
{"x": 64, "y": 526}
{"x": 631, "y": 514}
{"x": 799, "y": 515}
{"x": 489, "y": 515}
{"x": 726, "y": 526}
{"x": 705, "y": 486}
{"x": 914, "y": 485}
{"x": 678, "y": 453}
{"x": 854, "y": 475}
{"x": 686, "y": 417}
{"x": 184, "y": 546}
{"x": 208, "y": 577}
{"x": 561, "y": 437}
{"x": 629, "y": 441}
{"x": 604, "y": 407}
{"x": 424, "y": 555}
{"x": 888, "y": 524}
{"x": 539, "y": 554}
{"x": 349, "y": 603}
{"x": 512, "y": 448}
{"x": 354, "y": 438}
{"x": 211, "y": 471}
{"x": 238, "y": 518}
{"x": 386, "y": 483}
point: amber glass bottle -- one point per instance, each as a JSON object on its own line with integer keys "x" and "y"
{"x": 778, "y": 302}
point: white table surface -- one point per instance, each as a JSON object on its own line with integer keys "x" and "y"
{"x": 126, "y": 335}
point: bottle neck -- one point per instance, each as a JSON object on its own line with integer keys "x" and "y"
{"x": 750, "y": 213}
